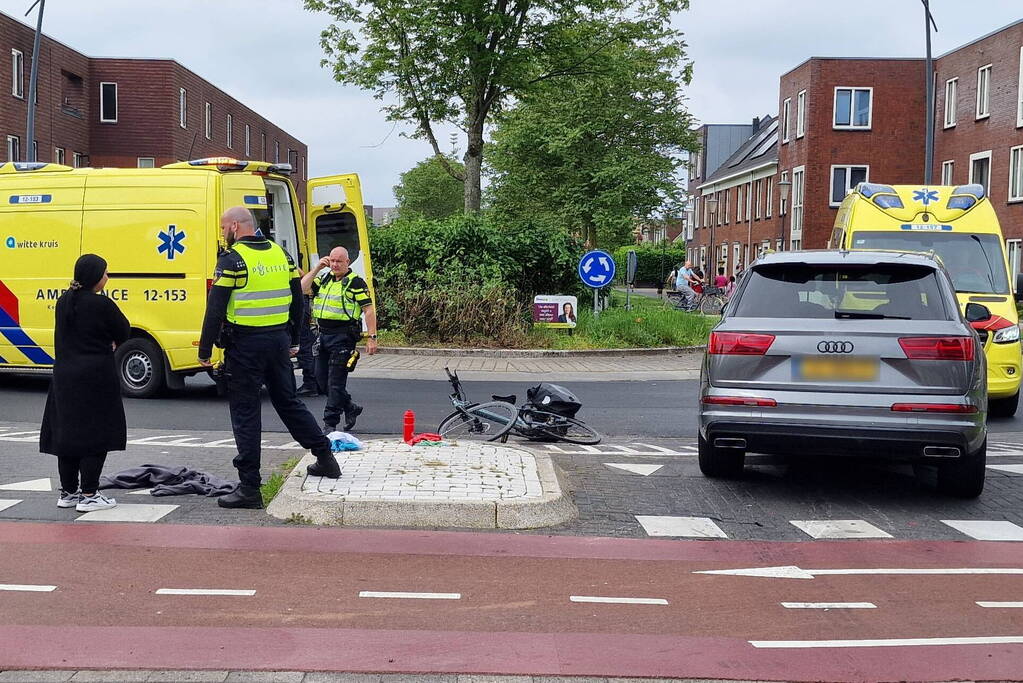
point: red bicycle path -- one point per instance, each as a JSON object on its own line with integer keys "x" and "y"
{"x": 514, "y": 615}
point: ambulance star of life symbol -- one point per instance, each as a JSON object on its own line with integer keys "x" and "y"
{"x": 926, "y": 196}
{"x": 170, "y": 241}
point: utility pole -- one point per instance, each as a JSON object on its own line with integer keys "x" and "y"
{"x": 32, "y": 82}
{"x": 929, "y": 69}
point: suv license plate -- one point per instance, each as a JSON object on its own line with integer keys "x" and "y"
{"x": 852, "y": 369}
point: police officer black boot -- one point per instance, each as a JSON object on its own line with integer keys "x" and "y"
{"x": 325, "y": 466}
{"x": 242, "y": 497}
{"x": 351, "y": 414}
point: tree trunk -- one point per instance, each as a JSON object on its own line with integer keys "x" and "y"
{"x": 473, "y": 161}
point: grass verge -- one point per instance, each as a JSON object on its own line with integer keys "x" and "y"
{"x": 272, "y": 486}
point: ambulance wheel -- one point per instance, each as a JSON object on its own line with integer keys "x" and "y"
{"x": 140, "y": 367}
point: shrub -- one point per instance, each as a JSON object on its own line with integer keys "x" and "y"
{"x": 653, "y": 262}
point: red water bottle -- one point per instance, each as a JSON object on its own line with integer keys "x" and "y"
{"x": 410, "y": 425}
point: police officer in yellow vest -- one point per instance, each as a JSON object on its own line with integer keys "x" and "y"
{"x": 340, "y": 299}
{"x": 254, "y": 311}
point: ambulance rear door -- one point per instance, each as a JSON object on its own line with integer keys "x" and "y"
{"x": 336, "y": 217}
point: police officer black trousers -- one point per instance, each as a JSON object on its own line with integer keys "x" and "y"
{"x": 336, "y": 346}
{"x": 255, "y": 358}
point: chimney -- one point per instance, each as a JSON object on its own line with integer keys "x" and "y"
{"x": 756, "y": 124}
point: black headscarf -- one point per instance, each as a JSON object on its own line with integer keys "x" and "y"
{"x": 89, "y": 270}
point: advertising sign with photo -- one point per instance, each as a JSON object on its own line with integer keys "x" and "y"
{"x": 552, "y": 310}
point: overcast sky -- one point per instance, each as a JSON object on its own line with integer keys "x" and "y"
{"x": 266, "y": 53}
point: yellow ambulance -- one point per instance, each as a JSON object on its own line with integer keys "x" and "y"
{"x": 159, "y": 230}
{"x": 959, "y": 226}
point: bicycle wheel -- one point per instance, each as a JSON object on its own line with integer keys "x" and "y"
{"x": 482, "y": 422}
{"x": 712, "y": 305}
{"x": 561, "y": 428}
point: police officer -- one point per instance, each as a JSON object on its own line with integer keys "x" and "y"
{"x": 340, "y": 298}
{"x": 254, "y": 310}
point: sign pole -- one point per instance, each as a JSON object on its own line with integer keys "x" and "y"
{"x": 596, "y": 270}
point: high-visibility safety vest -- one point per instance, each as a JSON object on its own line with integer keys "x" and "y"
{"x": 333, "y": 301}
{"x": 265, "y": 300}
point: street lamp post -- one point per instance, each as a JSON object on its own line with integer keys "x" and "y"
{"x": 783, "y": 193}
{"x": 929, "y": 75}
{"x": 32, "y": 82}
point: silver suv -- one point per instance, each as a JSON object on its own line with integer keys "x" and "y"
{"x": 847, "y": 352}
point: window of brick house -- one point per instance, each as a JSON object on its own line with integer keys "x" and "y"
{"x": 738, "y": 204}
{"x": 853, "y": 108}
{"x": 844, "y": 179}
{"x": 1016, "y": 174}
{"x": 59, "y": 155}
{"x": 108, "y": 102}
{"x": 798, "y": 185}
{"x": 77, "y": 159}
{"x": 248, "y": 149}
{"x": 1019, "y": 92}
{"x": 782, "y": 202}
{"x": 801, "y": 114}
{"x": 209, "y": 121}
{"x": 980, "y": 169}
{"x": 947, "y": 170}
{"x": 183, "y": 108}
{"x": 147, "y": 162}
{"x": 263, "y": 148}
{"x": 1012, "y": 250}
{"x": 230, "y": 131}
{"x": 769, "y": 196}
{"x": 728, "y": 200}
{"x": 757, "y": 190}
{"x": 785, "y": 106}
{"x": 277, "y": 152}
{"x": 17, "y": 73}
{"x": 951, "y": 90}
{"x": 13, "y": 148}
{"x": 984, "y": 91}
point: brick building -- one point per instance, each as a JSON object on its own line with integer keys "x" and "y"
{"x": 733, "y": 212}
{"x": 127, "y": 112}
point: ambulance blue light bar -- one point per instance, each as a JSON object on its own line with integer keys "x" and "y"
{"x": 883, "y": 196}
{"x": 966, "y": 196}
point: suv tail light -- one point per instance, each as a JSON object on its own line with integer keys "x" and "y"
{"x": 739, "y": 343}
{"x": 739, "y": 401}
{"x": 937, "y": 348}
{"x": 933, "y": 408}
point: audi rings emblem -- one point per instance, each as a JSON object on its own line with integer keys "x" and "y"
{"x": 835, "y": 347}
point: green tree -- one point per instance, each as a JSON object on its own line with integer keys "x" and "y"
{"x": 598, "y": 151}
{"x": 460, "y": 61}
{"x": 428, "y": 191}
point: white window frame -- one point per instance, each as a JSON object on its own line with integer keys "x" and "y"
{"x": 800, "y": 114}
{"x": 1019, "y": 92}
{"x": 728, "y": 200}
{"x": 948, "y": 168}
{"x": 831, "y": 181}
{"x": 183, "y": 108}
{"x": 738, "y": 204}
{"x": 18, "y": 73}
{"x": 102, "y": 114}
{"x": 759, "y": 186}
{"x": 769, "y": 196}
{"x": 798, "y": 197}
{"x": 1017, "y": 154}
{"x": 852, "y": 107}
{"x": 783, "y": 203}
{"x": 151, "y": 160}
{"x": 59, "y": 155}
{"x": 951, "y": 105}
{"x": 230, "y": 131}
{"x": 703, "y": 258}
{"x": 977, "y": 156}
{"x": 277, "y": 151}
{"x": 248, "y": 137}
{"x": 723, "y": 257}
{"x": 778, "y": 245}
{"x": 1013, "y": 250}
{"x": 786, "y": 106}
{"x": 209, "y": 121}
{"x": 76, "y": 159}
{"x": 736, "y": 257}
{"x": 983, "y": 113}
{"x": 13, "y": 148}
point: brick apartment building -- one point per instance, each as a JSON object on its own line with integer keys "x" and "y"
{"x": 842, "y": 121}
{"x": 127, "y": 112}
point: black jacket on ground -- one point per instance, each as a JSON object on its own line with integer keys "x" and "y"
{"x": 84, "y": 414}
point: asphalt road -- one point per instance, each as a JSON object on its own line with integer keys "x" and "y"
{"x": 649, "y": 409}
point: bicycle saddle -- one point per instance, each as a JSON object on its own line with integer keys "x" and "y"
{"x": 511, "y": 398}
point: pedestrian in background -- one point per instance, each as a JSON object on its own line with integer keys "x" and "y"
{"x": 340, "y": 299}
{"x": 84, "y": 416}
{"x": 253, "y": 312}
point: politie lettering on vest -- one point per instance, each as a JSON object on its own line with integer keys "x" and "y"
{"x": 256, "y": 296}
{"x": 340, "y": 301}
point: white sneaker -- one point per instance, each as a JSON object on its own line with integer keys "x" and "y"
{"x": 95, "y": 502}
{"x": 69, "y": 500}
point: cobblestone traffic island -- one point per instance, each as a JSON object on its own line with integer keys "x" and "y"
{"x": 470, "y": 485}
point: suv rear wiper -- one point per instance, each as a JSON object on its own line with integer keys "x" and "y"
{"x": 869, "y": 315}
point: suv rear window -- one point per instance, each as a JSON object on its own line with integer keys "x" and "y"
{"x": 798, "y": 290}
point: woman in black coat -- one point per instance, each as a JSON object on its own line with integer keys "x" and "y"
{"x": 84, "y": 416}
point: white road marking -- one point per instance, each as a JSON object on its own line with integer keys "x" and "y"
{"x": 618, "y": 601}
{"x": 829, "y": 605}
{"x": 128, "y": 513}
{"x": 21, "y": 437}
{"x": 1012, "y": 469}
{"x": 886, "y": 642}
{"x": 985, "y": 603}
{"x": 624, "y": 449}
{"x": 839, "y": 528}
{"x": 645, "y": 470}
{"x": 29, "y": 485}
{"x": 659, "y": 449}
{"x": 4, "y": 504}
{"x": 159, "y": 440}
{"x": 26, "y": 587}
{"x": 140, "y": 492}
{"x": 556, "y": 449}
{"x": 985, "y": 530}
{"x": 792, "y": 572}
{"x": 204, "y": 591}
{"x": 421, "y": 596}
{"x": 683, "y": 527}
